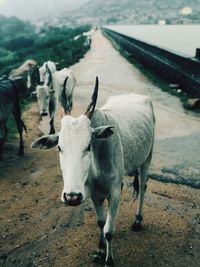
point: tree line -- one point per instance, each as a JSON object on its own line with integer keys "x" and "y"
{"x": 21, "y": 40}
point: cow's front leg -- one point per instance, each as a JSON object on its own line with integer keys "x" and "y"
{"x": 113, "y": 203}
{"x": 2, "y": 137}
{"x": 1, "y": 147}
{"x": 100, "y": 255}
{"x": 20, "y": 130}
{"x": 52, "y": 128}
{"x": 52, "y": 113}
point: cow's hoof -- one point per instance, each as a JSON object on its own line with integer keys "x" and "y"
{"x": 99, "y": 257}
{"x": 109, "y": 262}
{"x": 136, "y": 227}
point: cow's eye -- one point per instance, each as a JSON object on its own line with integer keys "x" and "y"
{"x": 59, "y": 149}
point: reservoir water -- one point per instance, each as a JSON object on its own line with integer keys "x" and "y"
{"x": 179, "y": 39}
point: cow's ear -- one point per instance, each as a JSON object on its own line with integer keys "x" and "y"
{"x": 45, "y": 142}
{"x": 103, "y": 132}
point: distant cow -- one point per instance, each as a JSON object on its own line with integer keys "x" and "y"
{"x": 88, "y": 35}
{"x": 10, "y": 104}
{"x": 97, "y": 149}
{"x": 47, "y": 104}
{"x": 56, "y": 88}
{"x": 55, "y": 80}
{"x": 29, "y": 71}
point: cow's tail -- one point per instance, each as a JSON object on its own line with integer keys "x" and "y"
{"x": 136, "y": 186}
{"x": 136, "y": 182}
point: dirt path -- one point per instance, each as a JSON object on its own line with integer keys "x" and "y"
{"x": 37, "y": 230}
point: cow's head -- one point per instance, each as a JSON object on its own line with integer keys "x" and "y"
{"x": 75, "y": 146}
{"x": 43, "y": 93}
{"x": 45, "y": 72}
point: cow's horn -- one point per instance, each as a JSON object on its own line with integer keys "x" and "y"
{"x": 64, "y": 98}
{"x": 50, "y": 76}
{"x": 91, "y": 107}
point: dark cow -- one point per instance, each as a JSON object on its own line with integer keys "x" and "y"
{"x": 10, "y": 104}
{"x": 34, "y": 78}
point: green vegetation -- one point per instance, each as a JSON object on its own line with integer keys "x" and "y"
{"x": 21, "y": 41}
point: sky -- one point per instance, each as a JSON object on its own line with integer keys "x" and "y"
{"x": 31, "y": 9}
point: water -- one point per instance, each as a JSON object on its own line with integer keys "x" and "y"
{"x": 180, "y": 39}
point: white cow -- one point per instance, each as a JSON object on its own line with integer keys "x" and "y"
{"x": 88, "y": 36}
{"x": 97, "y": 149}
{"x": 57, "y": 88}
{"x": 55, "y": 80}
{"x": 47, "y": 104}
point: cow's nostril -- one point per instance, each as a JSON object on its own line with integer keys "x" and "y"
{"x": 73, "y": 199}
{"x": 80, "y": 196}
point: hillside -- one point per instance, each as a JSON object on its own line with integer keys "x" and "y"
{"x": 136, "y": 12}
{"x": 32, "y": 10}
{"x": 20, "y": 41}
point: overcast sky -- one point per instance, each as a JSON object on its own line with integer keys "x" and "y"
{"x": 26, "y": 9}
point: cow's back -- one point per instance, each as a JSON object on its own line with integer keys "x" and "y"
{"x": 59, "y": 78}
{"x": 8, "y": 95}
{"x": 135, "y": 121}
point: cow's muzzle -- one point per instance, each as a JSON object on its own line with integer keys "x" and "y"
{"x": 73, "y": 199}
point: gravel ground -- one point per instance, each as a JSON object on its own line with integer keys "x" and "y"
{"x": 37, "y": 230}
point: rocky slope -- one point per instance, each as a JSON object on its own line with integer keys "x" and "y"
{"x": 136, "y": 12}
